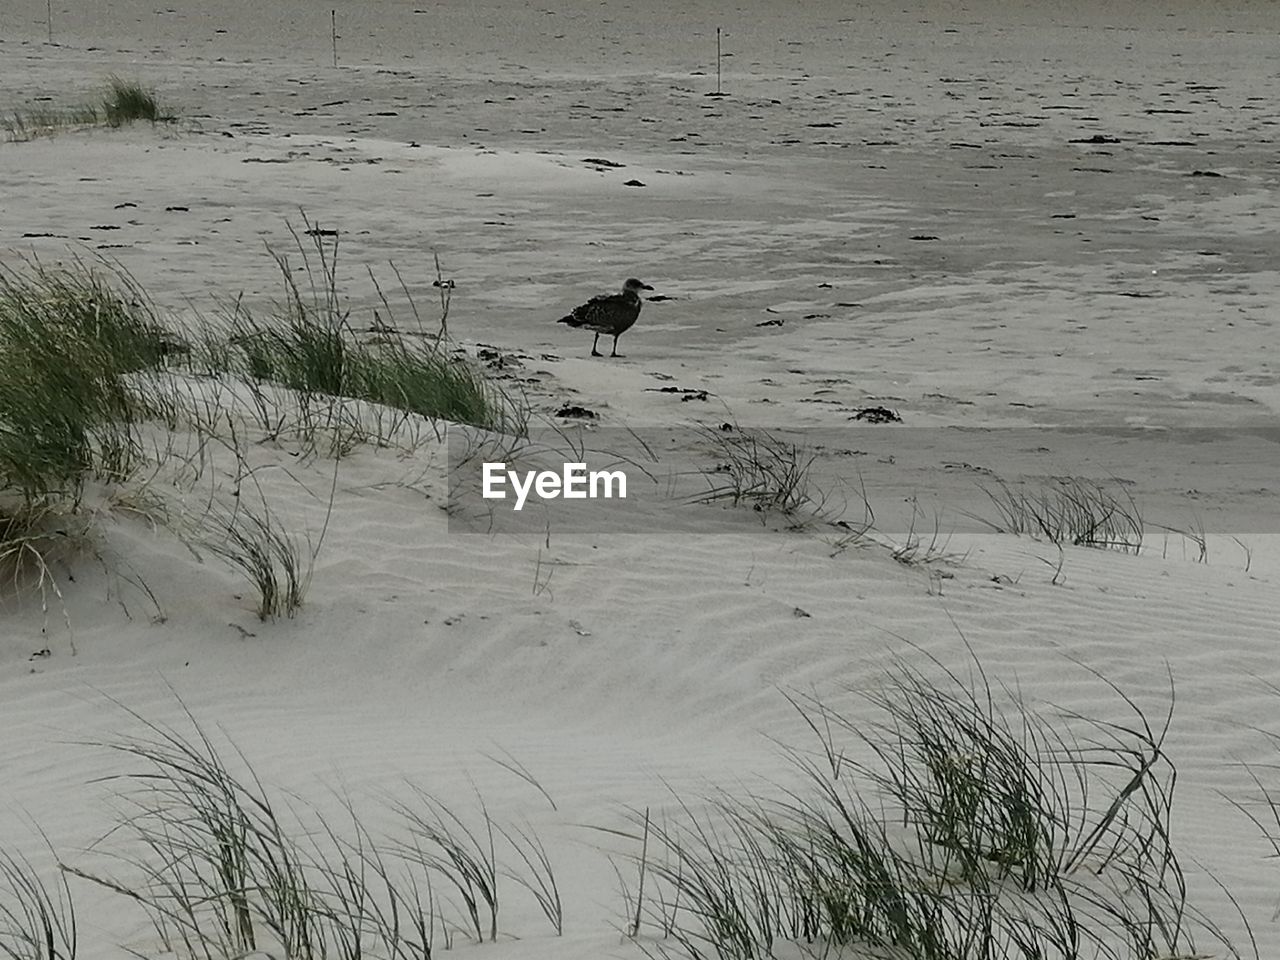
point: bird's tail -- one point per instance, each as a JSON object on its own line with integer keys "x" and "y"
{"x": 571, "y": 320}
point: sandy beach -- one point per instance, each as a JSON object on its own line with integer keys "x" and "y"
{"x": 1040, "y": 241}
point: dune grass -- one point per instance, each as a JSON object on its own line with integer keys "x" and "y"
{"x": 71, "y": 340}
{"x": 95, "y": 386}
{"x": 127, "y": 100}
{"x": 223, "y": 868}
{"x": 308, "y": 354}
{"x": 952, "y": 823}
{"x": 307, "y": 344}
{"x": 37, "y": 914}
{"x": 949, "y": 823}
{"x": 21, "y": 125}
{"x": 758, "y": 469}
{"x": 68, "y": 340}
{"x": 258, "y": 546}
{"x": 1070, "y": 510}
{"x": 122, "y": 102}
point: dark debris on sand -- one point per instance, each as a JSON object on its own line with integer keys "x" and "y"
{"x": 686, "y": 393}
{"x": 876, "y": 415}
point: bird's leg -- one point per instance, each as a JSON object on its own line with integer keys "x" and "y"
{"x": 615, "y": 348}
{"x": 594, "y": 344}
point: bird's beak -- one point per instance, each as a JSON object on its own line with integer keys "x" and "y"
{"x": 645, "y": 286}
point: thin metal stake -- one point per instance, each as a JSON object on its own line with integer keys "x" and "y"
{"x": 717, "y": 59}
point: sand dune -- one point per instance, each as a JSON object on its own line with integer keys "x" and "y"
{"x": 1019, "y": 229}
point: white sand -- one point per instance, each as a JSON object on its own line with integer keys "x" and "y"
{"x": 1054, "y": 295}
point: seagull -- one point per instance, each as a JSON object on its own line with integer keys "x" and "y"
{"x": 609, "y": 313}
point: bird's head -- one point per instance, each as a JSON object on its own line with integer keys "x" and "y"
{"x": 635, "y": 286}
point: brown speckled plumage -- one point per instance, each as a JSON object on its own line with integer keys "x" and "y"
{"x": 612, "y": 314}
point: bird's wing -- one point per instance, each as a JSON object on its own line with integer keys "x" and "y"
{"x": 592, "y": 309}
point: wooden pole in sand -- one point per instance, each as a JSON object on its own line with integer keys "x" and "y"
{"x": 48, "y": 17}
{"x": 333, "y": 33}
